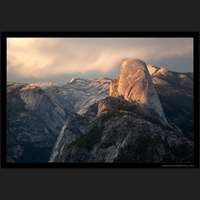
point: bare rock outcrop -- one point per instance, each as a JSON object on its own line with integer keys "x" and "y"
{"x": 135, "y": 85}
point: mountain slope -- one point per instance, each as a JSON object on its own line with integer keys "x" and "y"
{"x": 37, "y": 112}
{"x": 130, "y": 125}
{"x": 33, "y": 122}
{"x": 175, "y": 91}
{"x": 127, "y": 136}
{"x": 144, "y": 116}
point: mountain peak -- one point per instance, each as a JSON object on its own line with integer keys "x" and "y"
{"x": 132, "y": 61}
{"x": 152, "y": 69}
{"x": 135, "y": 85}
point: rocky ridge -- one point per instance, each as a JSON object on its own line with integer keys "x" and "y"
{"x": 122, "y": 131}
{"x": 37, "y": 113}
{"x": 131, "y": 119}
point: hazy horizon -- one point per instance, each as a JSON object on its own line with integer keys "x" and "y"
{"x": 60, "y": 59}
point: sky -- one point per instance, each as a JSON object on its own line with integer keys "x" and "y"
{"x": 60, "y": 59}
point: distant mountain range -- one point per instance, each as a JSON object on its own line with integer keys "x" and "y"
{"x": 146, "y": 115}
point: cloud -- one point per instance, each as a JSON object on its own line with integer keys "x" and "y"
{"x": 43, "y": 58}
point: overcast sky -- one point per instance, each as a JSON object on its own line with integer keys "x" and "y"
{"x": 60, "y": 59}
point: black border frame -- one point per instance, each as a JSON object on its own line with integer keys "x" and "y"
{"x": 194, "y": 35}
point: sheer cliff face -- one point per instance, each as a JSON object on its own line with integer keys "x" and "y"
{"x": 135, "y": 85}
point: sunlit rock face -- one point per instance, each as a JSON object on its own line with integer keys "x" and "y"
{"x": 103, "y": 120}
{"x": 152, "y": 69}
{"x": 135, "y": 85}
